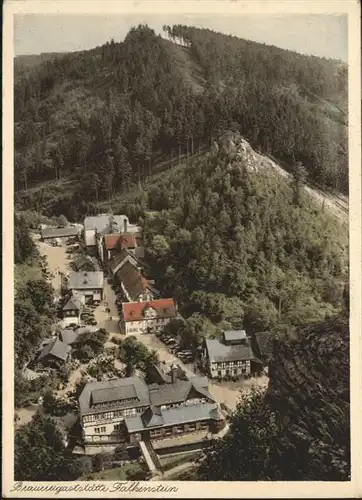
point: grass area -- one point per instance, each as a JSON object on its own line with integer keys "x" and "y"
{"x": 118, "y": 473}
{"x": 171, "y": 461}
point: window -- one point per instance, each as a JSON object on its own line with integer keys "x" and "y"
{"x": 243, "y": 370}
{"x": 100, "y": 430}
{"x": 219, "y": 373}
{"x": 235, "y": 372}
{"x": 117, "y": 427}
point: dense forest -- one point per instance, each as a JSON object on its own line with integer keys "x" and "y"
{"x": 238, "y": 246}
{"x": 106, "y": 116}
{"x": 34, "y": 308}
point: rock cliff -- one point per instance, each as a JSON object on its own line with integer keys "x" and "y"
{"x": 309, "y": 391}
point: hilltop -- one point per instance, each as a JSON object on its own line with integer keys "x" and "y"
{"x": 92, "y": 123}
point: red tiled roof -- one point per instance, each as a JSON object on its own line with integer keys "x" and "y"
{"x": 127, "y": 240}
{"x": 111, "y": 240}
{"x": 134, "y": 311}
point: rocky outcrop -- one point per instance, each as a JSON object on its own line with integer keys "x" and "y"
{"x": 309, "y": 391}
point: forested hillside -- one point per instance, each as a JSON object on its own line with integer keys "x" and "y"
{"x": 235, "y": 244}
{"x": 33, "y": 308}
{"x": 91, "y": 122}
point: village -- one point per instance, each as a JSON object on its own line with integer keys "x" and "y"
{"x": 173, "y": 403}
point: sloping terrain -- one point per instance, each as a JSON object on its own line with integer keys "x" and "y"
{"x": 189, "y": 68}
{"x": 107, "y": 116}
{"x": 309, "y": 390}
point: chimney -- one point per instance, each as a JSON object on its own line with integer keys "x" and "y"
{"x": 125, "y": 225}
{"x": 173, "y": 373}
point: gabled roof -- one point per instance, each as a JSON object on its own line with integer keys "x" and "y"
{"x": 56, "y": 348}
{"x": 127, "y": 240}
{"x": 110, "y": 391}
{"x": 152, "y": 417}
{"x": 132, "y": 280}
{"x": 180, "y": 391}
{"x": 135, "y": 311}
{"x": 85, "y": 280}
{"x": 110, "y": 394}
{"x": 177, "y": 416}
{"x": 74, "y": 303}
{"x": 120, "y": 257}
{"x": 69, "y": 336}
{"x": 111, "y": 240}
{"x": 222, "y": 353}
{"x": 84, "y": 260}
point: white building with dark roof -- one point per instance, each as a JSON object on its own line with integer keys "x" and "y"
{"x": 231, "y": 357}
{"x": 88, "y": 283}
{"x": 128, "y": 411}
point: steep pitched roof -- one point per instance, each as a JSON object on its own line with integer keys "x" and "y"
{"x": 110, "y": 393}
{"x": 111, "y": 240}
{"x": 135, "y": 311}
{"x": 222, "y": 353}
{"x": 56, "y": 348}
{"x": 127, "y": 240}
{"x": 132, "y": 280}
{"x": 120, "y": 257}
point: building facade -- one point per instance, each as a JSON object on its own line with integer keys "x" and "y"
{"x": 147, "y": 317}
{"x": 231, "y": 357}
{"x": 127, "y": 410}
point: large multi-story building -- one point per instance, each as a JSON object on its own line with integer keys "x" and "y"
{"x": 147, "y": 317}
{"x": 127, "y": 410}
{"x": 230, "y": 358}
{"x": 96, "y": 227}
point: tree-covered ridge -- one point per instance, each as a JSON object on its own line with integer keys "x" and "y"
{"x": 107, "y": 115}
{"x": 231, "y": 244}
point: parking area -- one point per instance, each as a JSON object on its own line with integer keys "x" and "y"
{"x": 229, "y": 392}
{"x": 57, "y": 259}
